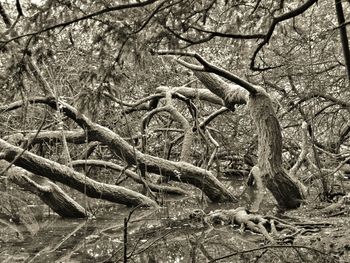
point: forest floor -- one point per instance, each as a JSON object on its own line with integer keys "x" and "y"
{"x": 169, "y": 235}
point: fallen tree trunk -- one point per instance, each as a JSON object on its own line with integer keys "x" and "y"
{"x": 65, "y": 175}
{"x": 76, "y": 137}
{"x": 154, "y": 187}
{"x": 50, "y": 193}
{"x": 285, "y": 189}
{"x": 178, "y": 171}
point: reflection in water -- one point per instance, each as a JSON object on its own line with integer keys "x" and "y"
{"x": 154, "y": 235}
{"x": 162, "y": 235}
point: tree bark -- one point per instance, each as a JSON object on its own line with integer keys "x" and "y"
{"x": 65, "y": 175}
{"x": 284, "y": 188}
{"x": 343, "y": 35}
{"x": 50, "y": 193}
{"x": 177, "y": 171}
{"x": 132, "y": 175}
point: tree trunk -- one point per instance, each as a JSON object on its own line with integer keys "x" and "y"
{"x": 343, "y": 35}
{"x": 65, "y": 175}
{"x": 178, "y": 171}
{"x": 50, "y": 193}
{"x": 284, "y": 188}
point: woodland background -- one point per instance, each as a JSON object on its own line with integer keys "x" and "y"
{"x": 176, "y": 108}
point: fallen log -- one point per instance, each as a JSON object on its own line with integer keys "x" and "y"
{"x": 66, "y": 175}
{"x": 134, "y": 176}
{"x": 50, "y": 193}
{"x": 177, "y": 171}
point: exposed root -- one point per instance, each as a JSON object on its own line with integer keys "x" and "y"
{"x": 338, "y": 207}
{"x": 272, "y": 228}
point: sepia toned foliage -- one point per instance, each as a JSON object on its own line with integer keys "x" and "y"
{"x": 134, "y": 101}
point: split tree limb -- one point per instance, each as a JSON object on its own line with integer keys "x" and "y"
{"x": 284, "y": 188}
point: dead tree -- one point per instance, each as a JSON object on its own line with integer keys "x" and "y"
{"x": 284, "y": 188}
{"x": 49, "y": 192}
{"x": 178, "y": 171}
{"x": 66, "y": 175}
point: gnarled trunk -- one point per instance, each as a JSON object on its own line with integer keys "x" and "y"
{"x": 283, "y": 187}
{"x": 50, "y": 193}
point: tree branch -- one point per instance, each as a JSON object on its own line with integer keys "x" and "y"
{"x": 134, "y": 176}
{"x": 85, "y": 17}
{"x": 343, "y": 35}
{"x": 299, "y": 10}
{"x": 176, "y": 115}
{"x": 208, "y": 67}
{"x": 192, "y": 93}
{"x": 178, "y": 171}
{"x": 228, "y": 35}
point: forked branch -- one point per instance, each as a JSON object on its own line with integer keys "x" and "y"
{"x": 208, "y": 67}
{"x": 293, "y": 13}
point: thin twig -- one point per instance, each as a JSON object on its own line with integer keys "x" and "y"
{"x": 25, "y": 148}
{"x": 267, "y": 247}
